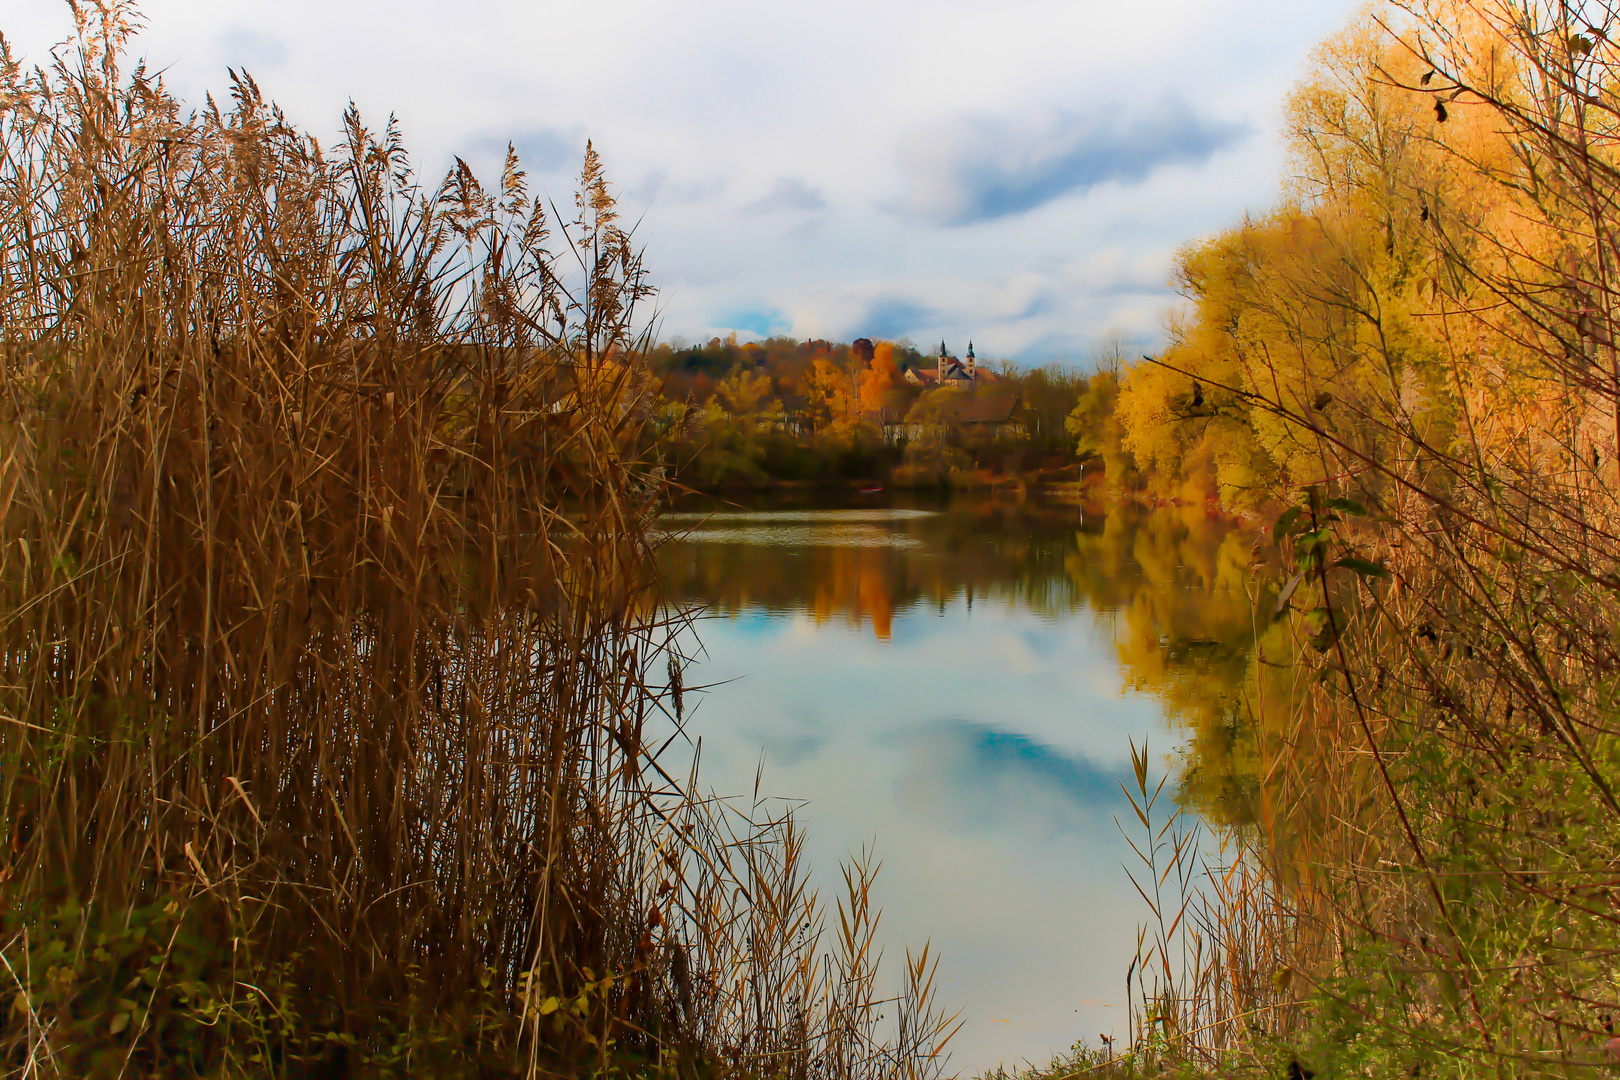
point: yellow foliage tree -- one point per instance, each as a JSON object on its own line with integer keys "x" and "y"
{"x": 834, "y": 403}
{"x": 1095, "y": 424}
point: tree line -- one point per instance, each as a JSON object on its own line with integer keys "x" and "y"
{"x": 1406, "y": 370}
{"x": 753, "y": 413}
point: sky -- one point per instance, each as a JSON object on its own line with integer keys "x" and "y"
{"x": 1018, "y": 173}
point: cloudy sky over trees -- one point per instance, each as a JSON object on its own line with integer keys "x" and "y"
{"x": 1020, "y": 172}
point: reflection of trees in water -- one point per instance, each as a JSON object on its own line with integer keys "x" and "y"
{"x": 1172, "y": 584}
{"x": 1005, "y": 551}
{"x": 1179, "y": 586}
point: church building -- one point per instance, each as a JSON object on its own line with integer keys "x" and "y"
{"x": 960, "y": 374}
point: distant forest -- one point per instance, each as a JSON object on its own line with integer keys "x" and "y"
{"x": 737, "y": 414}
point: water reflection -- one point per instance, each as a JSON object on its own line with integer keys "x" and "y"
{"x": 959, "y": 683}
{"x": 862, "y": 569}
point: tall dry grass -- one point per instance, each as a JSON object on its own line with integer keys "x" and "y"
{"x": 1203, "y": 991}
{"x": 327, "y": 669}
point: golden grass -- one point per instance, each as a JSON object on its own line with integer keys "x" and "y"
{"x": 325, "y": 660}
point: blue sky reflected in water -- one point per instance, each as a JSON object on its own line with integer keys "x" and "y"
{"x": 979, "y": 748}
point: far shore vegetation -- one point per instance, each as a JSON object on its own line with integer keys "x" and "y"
{"x": 737, "y": 415}
{"x": 332, "y": 654}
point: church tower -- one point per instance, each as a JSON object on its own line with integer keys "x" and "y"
{"x": 944, "y": 359}
{"x": 969, "y": 364}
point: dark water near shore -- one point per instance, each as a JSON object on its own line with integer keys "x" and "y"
{"x": 956, "y": 686}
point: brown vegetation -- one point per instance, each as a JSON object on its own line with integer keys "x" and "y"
{"x": 325, "y": 681}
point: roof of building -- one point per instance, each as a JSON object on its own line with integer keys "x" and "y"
{"x": 981, "y": 409}
{"x": 884, "y": 414}
{"x": 955, "y": 373}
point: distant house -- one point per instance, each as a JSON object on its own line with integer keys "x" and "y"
{"x": 994, "y": 414}
{"x": 963, "y": 374}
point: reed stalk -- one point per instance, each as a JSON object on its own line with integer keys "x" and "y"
{"x": 328, "y": 669}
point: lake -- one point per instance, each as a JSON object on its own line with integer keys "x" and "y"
{"x": 955, "y": 686}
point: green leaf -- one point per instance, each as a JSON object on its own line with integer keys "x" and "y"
{"x": 1286, "y": 522}
{"x": 1326, "y": 627}
{"x": 1363, "y": 567}
{"x": 1308, "y": 542}
{"x": 119, "y": 1023}
{"x": 1349, "y": 506}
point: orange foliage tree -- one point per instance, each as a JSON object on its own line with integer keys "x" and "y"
{"x": 880, "y": 379}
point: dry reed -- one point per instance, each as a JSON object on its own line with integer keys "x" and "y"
{"x": 326, "y": 663}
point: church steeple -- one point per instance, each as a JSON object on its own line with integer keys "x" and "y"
{"x": 969, "y": 358}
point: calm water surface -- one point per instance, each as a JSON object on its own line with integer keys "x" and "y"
{"x": 955, "y": 687}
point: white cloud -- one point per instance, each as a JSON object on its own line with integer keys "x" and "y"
{"x": 788, "y": 194}
{"x": 966, "y": 169}
{"x": 252, "y": 49}
{"x": 1022, "y": 123}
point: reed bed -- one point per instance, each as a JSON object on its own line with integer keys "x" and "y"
{"x": 328, "y": 674}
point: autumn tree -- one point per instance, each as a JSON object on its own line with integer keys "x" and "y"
{"x": 879, "y": 380}
{"x": 1415, "y": 354}
{"x": 1048, "y": 394}
{"x": 834, "y": 401}
{"x": 1095, "y": 424}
